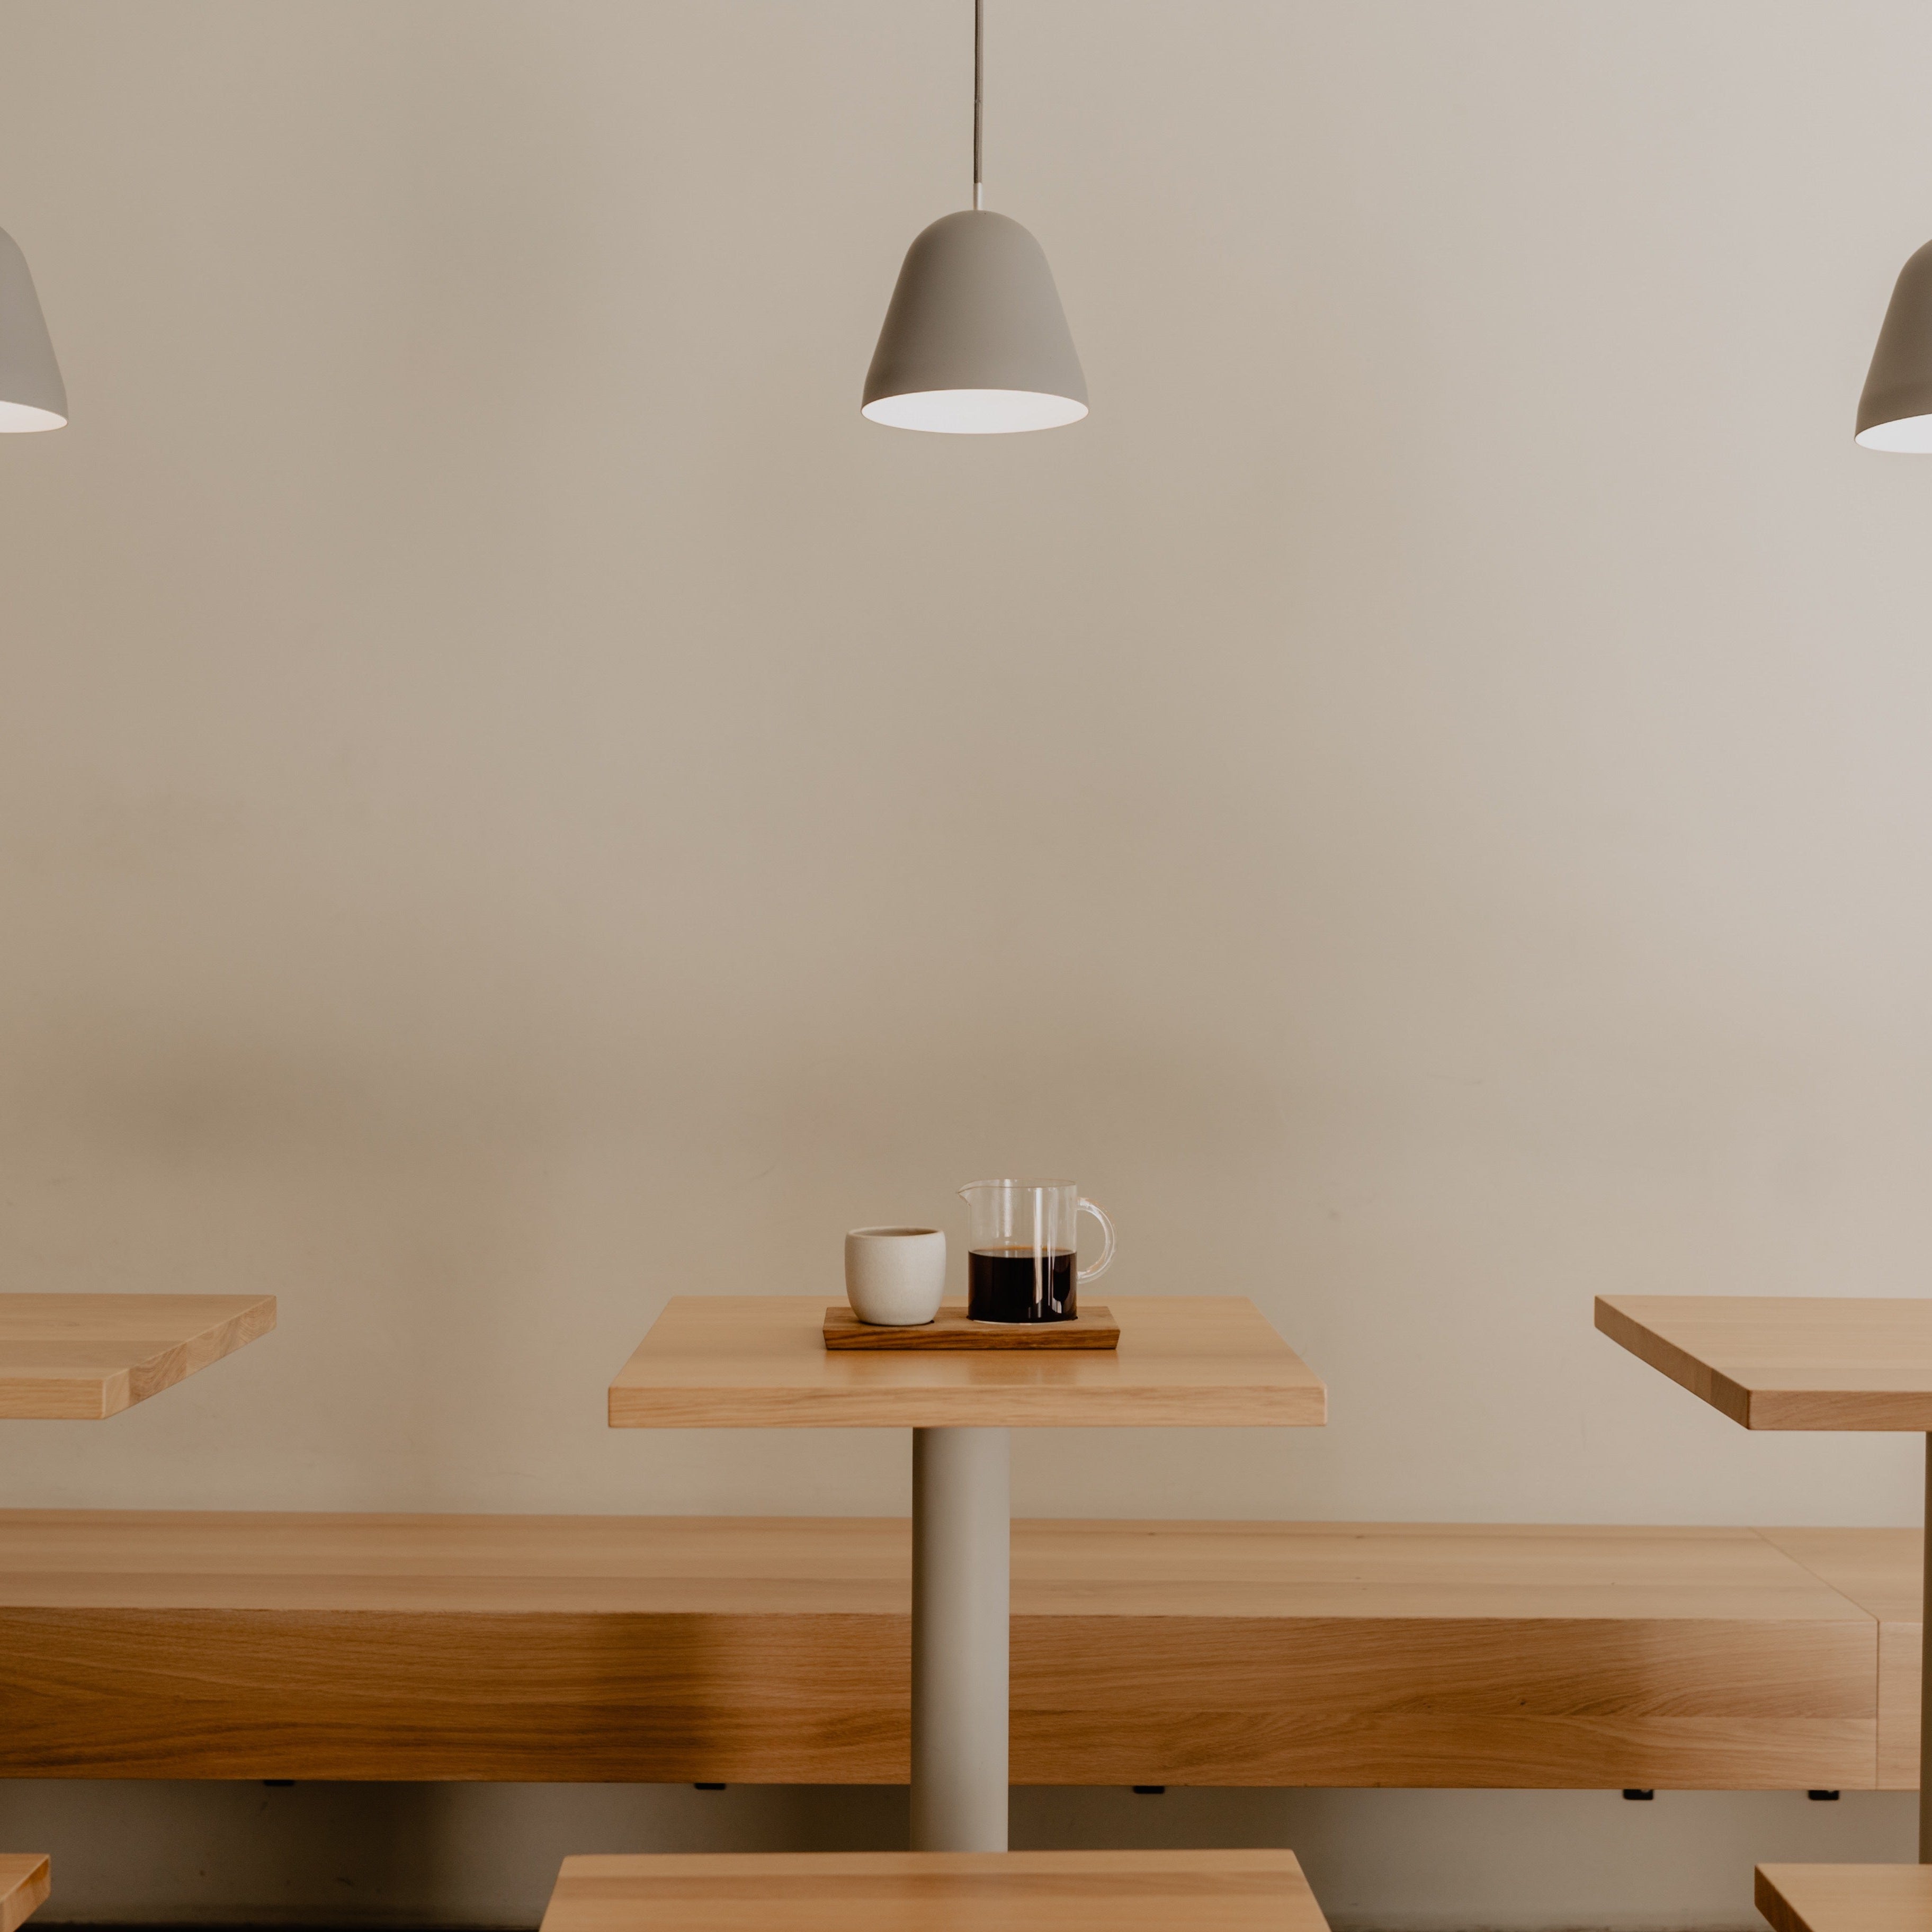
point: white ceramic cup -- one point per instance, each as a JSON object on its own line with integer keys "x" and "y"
{"x": 895, "y": 1276}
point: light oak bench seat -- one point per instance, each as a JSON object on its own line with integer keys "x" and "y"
{"x": 775, "y": 1650}
{"x": 23, "y": 1887}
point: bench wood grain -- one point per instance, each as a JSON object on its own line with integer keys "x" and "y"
{"x": 1883, "y": 1571}
{"x": 776, "y": 1650}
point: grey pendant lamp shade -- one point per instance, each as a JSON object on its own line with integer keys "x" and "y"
{"x": 32, "y": 395}
{"x": 975, "y": 341}
{"x": 1895, "y": 412}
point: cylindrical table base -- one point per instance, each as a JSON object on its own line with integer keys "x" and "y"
{"x": 961, "y": 1531}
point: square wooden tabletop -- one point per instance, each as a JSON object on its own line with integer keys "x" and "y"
{"x": 82, "y": 1357}
{"x": 23, "y": 1887}
{"x": 1846, "y": 1898}
{"x": 935, "y": 1891}
{"x": 1786, "y": 1361}
{"x": 745, "y": 1361}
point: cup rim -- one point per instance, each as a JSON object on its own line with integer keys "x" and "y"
{"x": 889, "y": 1234}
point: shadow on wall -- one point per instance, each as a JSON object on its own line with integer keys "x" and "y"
{"x": 128, "y": 1852}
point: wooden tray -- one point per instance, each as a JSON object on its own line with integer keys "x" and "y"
{"x": 1092, "y": 1327}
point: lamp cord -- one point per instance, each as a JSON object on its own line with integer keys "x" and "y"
{"x": 978, "y": 77}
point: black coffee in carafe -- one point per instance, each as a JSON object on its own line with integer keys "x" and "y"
{"x": 1020, "y": 1264}
{"x": 1019, "y": 1284}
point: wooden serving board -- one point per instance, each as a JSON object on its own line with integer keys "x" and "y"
{"x": 1092, "y": 1327}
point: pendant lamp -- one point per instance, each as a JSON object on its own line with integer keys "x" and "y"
{"x": 975, "y": 342}
{"x": 1895, "y": 412}
{"x": 32, "y": 395}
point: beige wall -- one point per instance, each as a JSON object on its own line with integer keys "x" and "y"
{"x": 515, "y": 800}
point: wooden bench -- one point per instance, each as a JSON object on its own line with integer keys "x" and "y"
{"x": 1883, "y": 1572}
{"x": 1846, "y": 1898}
{"x": 770, "y": 1650}
{"x": 935, "y": 1892}
{"x": 23, "y": 1887}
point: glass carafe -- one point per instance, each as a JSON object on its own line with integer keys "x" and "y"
{"x": 1022, "y": 1262}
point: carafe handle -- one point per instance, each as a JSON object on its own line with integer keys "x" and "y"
{"x": 1099, "y": 1214}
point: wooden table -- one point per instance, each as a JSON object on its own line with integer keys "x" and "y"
{"x": 1791, "y": 1362}
{"x": 935, "y": 1892}
{"x": 760, "y": 1361}
{"x": 23, "y": 1887}
{"x": 83, "y": 1358}
{"x": 1846, "y": 1898}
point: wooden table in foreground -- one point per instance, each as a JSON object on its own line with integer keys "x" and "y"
{"x": 1846, "y": 1898}
{"x": 83, "y": 1358}
{"x": 23, "y": 1887}
{"x": 760, "y": 1361}
{"x": 935, "y": 1892}
{"x": 1799, "y": 1362}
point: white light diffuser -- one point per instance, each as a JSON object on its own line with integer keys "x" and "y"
{"x": 974, "y": 412}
